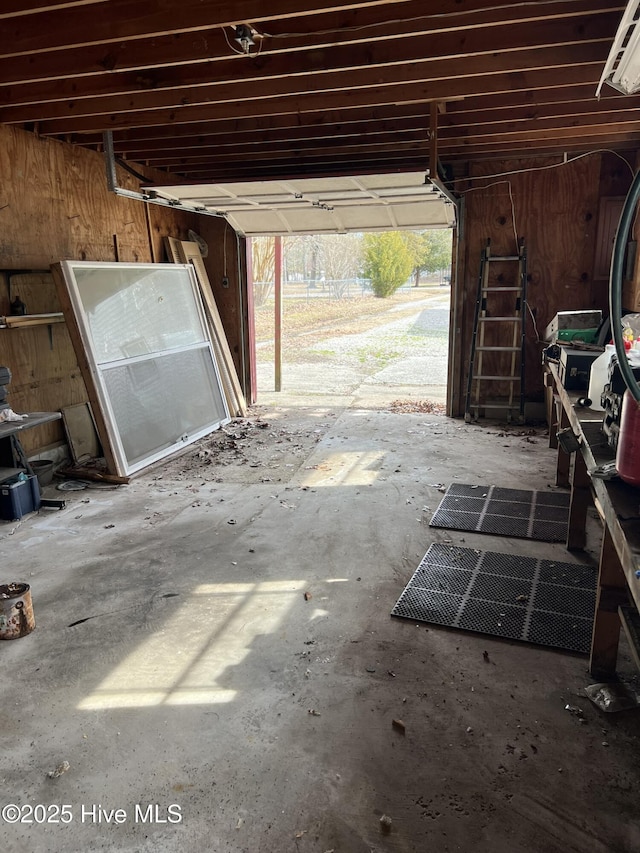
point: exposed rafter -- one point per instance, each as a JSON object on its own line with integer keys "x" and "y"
{"x": 328, "y": 88}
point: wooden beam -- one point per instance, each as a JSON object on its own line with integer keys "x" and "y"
{"x": 410, "y": 48}
{"x": 251, "y": 324}
{"x": 606, "y": 626}
{"x": 360, "y": 88}
{"x": 296, "y": 168}
{"x": 182, "y": 251}
{"x": 433, "y": 140}
{"x": 580, "y": 502}
{"x": 13, "y": 8}
{"x": 311, "y": 148}
{"x": 138, "y": 142}
{"x": 235, "y": 136}
{"x": 277, "y": 271}
{"x": 544, "y": 96}
{"x": 343, "y": 26}
{"x": 533, "y": 135}
{"x": 157, "y": 151}
{"x": 66, "y": 28}
{"x": 567, "y": 112}
{"x": 138, "y": 137}
{"x": 582, "y": 143}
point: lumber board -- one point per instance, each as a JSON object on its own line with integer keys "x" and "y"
{"x": 80, "y": 473}
{"x": 186, "y": 251}
{"x": 25, "y": 320}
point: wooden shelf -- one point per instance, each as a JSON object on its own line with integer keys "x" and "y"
{"x": 8, "y": 473}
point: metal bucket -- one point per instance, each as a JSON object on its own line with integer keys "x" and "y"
{"x": 16, "y": 611}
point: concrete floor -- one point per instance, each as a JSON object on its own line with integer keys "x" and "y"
{"x": 177, "y": 660}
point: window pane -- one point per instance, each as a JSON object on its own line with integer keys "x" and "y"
{"x": 135, "y": 311}
{"x": 160, "y": 400}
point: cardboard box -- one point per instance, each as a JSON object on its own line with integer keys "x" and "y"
{"x": 575, "y": 368}
{"x": 18, "y": 499}
{"x": 572, "y": 320}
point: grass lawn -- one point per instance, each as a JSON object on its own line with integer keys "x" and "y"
{"x": 336, "y": 316}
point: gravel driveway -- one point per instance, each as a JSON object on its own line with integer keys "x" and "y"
{"x": 400, "y": 358}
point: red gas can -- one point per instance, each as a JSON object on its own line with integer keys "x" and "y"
{"x": 628, "y": 451}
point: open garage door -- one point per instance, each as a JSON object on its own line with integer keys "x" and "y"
{"x": 339, "y": 205}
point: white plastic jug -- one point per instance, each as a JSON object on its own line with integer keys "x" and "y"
{"x": 599, "y": 376}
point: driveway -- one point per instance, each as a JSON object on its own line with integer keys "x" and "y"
{"x": 402, "y": 357}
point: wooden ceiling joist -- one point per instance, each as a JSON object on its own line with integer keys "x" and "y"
{"x": 126, "y": 20}
{"x": 178, "y": 83}
{"x": 328, "y": 86}
{"x": 352, "y": 26}
{"x": 579, "y": 63}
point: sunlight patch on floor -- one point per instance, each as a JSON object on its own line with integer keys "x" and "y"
{"x": 193, "y": 659}
{"x": 348, "y": 468}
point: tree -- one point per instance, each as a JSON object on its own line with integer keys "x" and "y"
{"x": 432, "y": 251}
{"x": 388, "y": 261}
{"x": 341, "y": 259}
{"x": 262, "y": 262}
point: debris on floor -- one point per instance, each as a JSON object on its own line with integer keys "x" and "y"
{"x": 416, "y": 406}
{"x": 612, "y": 697}
{"x": 259, "y": 441}
{"x": 60, "y": 769}
{"x": 385, "y": 824}
{"x": 576, "y": 712}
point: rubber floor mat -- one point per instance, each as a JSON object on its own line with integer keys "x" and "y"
{"x": 519, "y": 598}
{"x": 504, "y": 512}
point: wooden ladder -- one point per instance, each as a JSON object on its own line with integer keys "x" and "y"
{"x": 498, "y": 328}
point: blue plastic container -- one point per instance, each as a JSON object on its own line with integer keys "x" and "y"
{"x": 19, "y": 498}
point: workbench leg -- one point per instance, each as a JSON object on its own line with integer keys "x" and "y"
{"x": 580, "y": 502}
{"x": 612, "y": 588}
{"x": 564, "y": 459}
{"x": 551, "y": 410}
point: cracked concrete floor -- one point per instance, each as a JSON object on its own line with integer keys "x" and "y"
{"x": 214, "y": 640}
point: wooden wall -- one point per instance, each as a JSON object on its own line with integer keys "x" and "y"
{"x": 55, "y": 205}
{"x": 556, "y": 211}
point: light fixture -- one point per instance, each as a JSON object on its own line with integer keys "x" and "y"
{"x": 245, "y": 37}
{"x": 622, "y": 69}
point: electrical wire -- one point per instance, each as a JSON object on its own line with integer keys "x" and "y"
{"x": 634, "y": 175}
{"x": 535, "y": 325}
{"x": 515, "y": 234}
{"x": 513, "y": 214}
{"x": 548, "y": 166}
{"x": 410, "y": 20}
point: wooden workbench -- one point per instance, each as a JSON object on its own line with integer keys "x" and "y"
{"x": 618, "y": 505}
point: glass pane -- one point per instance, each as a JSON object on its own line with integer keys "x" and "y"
{"x": 139, "y": 309}
{"x": 160, "y": 400}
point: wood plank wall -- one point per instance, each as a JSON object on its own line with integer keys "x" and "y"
{"x": 54, "y": 205}
{"x": 556, "y": 211}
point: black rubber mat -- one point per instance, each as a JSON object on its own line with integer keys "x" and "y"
{"x": 519, "y": 598}
{"x": 504, "y": 512}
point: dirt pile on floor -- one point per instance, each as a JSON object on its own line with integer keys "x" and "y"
{"x": 261, "y": 447}
{"x": 426, "y": 407}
